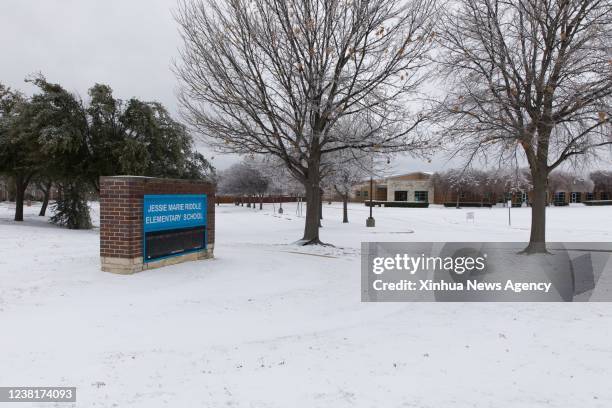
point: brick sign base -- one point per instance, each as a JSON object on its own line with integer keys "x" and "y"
{"x": 121, "y": 222}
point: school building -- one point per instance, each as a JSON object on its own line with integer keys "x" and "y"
{"x": 420, "y": 188}
{"x": 412, "y": 188}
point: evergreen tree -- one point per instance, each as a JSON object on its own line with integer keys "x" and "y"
{"x": 71, "y": 209}
{"x": 19, "y": 144}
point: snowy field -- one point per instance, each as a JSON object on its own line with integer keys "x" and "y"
{"x": 270, "y": 324}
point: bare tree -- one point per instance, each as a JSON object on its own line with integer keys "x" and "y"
{"x": 272, "y": 77}
{"x": 528, "y": 80}
{"x": 441, "y": 184}
{"x": 503, "y": 182}
{"x": 558, "y": 181}
{"x": 282, "y": 182}
{"x": 257, "y": 180}
{"x": 462, "y": 181}
{"x": 602, "y": 182}
{"x": 245, "y": 179}
{"x": 345, "y": 169}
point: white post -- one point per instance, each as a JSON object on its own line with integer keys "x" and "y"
{"x": 509, "y": 207}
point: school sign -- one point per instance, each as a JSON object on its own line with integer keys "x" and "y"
{"x": 150, "y": 222}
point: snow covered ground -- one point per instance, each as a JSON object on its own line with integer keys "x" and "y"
{"x": 270, "y": 324}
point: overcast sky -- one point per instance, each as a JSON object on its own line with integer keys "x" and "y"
{"x": 127, "y": 44}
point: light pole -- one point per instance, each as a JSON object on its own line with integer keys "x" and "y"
{"x": 370, "y": 221}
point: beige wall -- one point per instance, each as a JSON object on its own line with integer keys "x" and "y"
{"x": 410, "y": 186}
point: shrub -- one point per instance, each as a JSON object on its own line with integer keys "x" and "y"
{"x": 71, "y": 209}
{"x": 405, "y": 204}
{"x": 598, "y": 202}
{"x": 467, "y": 204}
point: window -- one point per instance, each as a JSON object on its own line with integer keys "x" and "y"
{"x": 358, "y": 193}
{"x": 365, "y": 193}
{"x": 605, "y": 195}
{"x": 401, "y": 196}
{"x": 559, "y": 198}
{"x": 422, "y": 196}
{"x": 590, "y": 196}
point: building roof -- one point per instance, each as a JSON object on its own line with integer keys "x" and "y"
{"x": 418, "y": 175}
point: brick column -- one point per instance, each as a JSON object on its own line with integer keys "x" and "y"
{"x": 121, "y": 229}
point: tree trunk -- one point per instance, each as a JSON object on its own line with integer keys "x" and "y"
{"x": 45, "y": 203}
{"x": 345, "y": 209}
{"x": 21, "y": 183}
{"x": 537, "y": 238}
{"x": 261, "y": 202}
{"x": 313, "y": 210}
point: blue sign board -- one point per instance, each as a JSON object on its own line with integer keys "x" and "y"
{"x": 172, "y": 212}
{"x": 173, "y": 225}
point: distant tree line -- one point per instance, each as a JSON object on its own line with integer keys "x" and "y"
{"x": 489, "y": 186}
{"x": 56, "y": 138}
{"x": 245, "y": 180}
{"x": 481, "y": 185}
{"x": 602, "y": 180}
